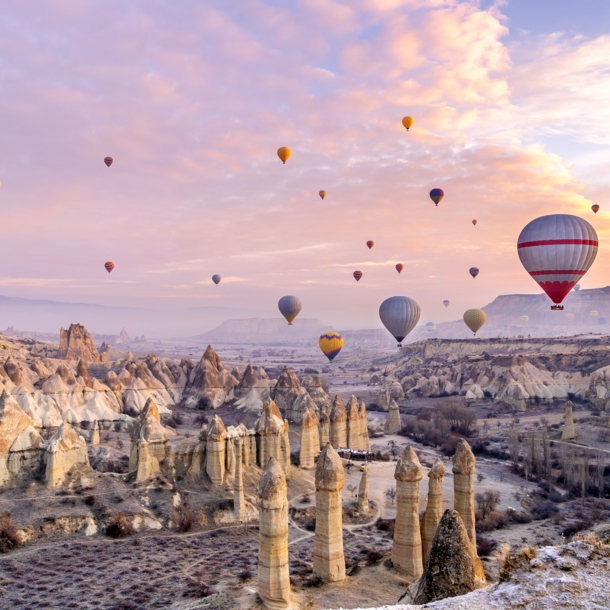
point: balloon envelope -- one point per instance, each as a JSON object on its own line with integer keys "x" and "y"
{"x": 289, "y": 307}
{"x": 216, "y": 279}
{"x": 594, "y": 313}
{"x": 436, "y": 195}
{"x": 284, "y": 153}
{"x": 331, "y": 344}
{"x": 474, "y": 222}
{"x": 446, "y": 303}
{"x": 474, "y": 319}
{"x": 473, "y": 271}
{"x": 430, "y": 326}
{"x": 322, "y": 194}
{"x": 370, "y": 244}
{"x": 577, "y": 288}
{"x": 108, "y": 161}
{"x": 595, "y": 208}
{"x": 557, "y": 250}
{"x": 109, "y": 266}
{"x": 399, "y": 267}
{"x": 601, "y": 320}
{"x": 407, "y": 122}
{"x": 525, "y": 318}
{"x": 357, "y": 275}
{"x": 569, "y": 317}
{"x": 399, "y": 315}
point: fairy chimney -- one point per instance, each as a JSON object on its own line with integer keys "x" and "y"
{"x": 272, "y": 433}
{"x": 324, "y": 429}
{"x": 216, "y": 451}
{"x": 363, "y": 492}
{"x": 393, "y": 424}
{"x": 338, "y": 424}
{"x": 310, "y": 439}
{"x": 63, "y": 451}
{"x": 365, "y": 443}
{"x": 569, "y": 433}
{"x": 434, "y": 507}
{"x": 239, "y": 505}
{"x": 354, "y": 435}
{"x": 95, "y": 434}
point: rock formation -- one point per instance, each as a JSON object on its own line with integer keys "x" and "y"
{"x": 76, "y": 343}
{"x": 393, "y": 424}
{"x": 299, "y": 406}
{"x": 324, "y": 429}
{"x": 216, "y": 451}
{"x": 363, "y": 492}
{"x": 338, "y": 424}
{"x": 95, "y": 434}
{"x": 569, "y": 433}
{"x": 236, "y": 373}
{"x": 272, "y": 436}
{"x": 314, "y": 387}
{"x": 286, "y": 390}
{"x": 434, "y": 507}
{"x": 365, "y": 443}
{"x": 328, "y": 558}
{"x": 239, "y": 503}
{"x": 310, "y": 439}
{"x": 407, "y": 547}
{"x": 354, "y": 432}
{"x": 63, "y": 451}
{"x": 273, "y": 569}
{"x": 450, "y": 569}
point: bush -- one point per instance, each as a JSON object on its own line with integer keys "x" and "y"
{"x": 245, "y": 575}
{"x": 518, "y": 517}
{"x": 9, "y": 537}
{"x": 119, "y": 527}
{"x": 201, "y": 419}
{"x": 386, "y": 525}
{"x": 184, "y": 517}
{"x": 315, "y": 580}
{"x": 89, "y": 500}
{"x": 485, "y": 546}
{"x": 545, "y": 509}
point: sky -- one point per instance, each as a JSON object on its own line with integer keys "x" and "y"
{"x": 192, "y": 100}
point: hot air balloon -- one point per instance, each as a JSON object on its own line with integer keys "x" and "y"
{"x": 430, "y": 327}
{"x": 601, "y": 320}
{"x": 330, "y": 343}
{"x": 370, "y": 244}
{"x": 289, "y": 307}
{"x": 473, "y": 271}
{"x": 557, "y": 250}
{"x": 357, "y": 275}
{"x": 594, "y": 313}
{"x": 407, "y": 122}
{"x": 525, "y": 319}
{"x": 284, "y": 153}
{"x": 436, "y": 195}
{"x": 474, "y": 222}
{"x": 216, "y": 279}
{"x": 577, "y": 288}
{"x": 322, "y": 194}
{"x": 108, "y": 161}
{"x": 474, "y": 319}
{"x": 399, "y": 267}
{"x": 595, "y": 208}
{"x": 109, "y": 266}
{"x": 399, "y": 315}
{"x": 446, "y": 303}
{"x": 569, "y": 317}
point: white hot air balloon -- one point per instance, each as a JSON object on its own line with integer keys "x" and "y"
{"x": 557, "y": 250}
{"x": 399, "y": 315}
{"x": 289, "y": 307}
{"x": 577, "y": 288}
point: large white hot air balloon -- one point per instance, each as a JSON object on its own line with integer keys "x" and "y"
{"x": 399, "y": 315}
{"x": 557, "y": 250}
{"x": 289, "y": 307}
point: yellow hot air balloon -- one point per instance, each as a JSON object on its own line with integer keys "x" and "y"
{"x": 474, "y": 319}
{"x": 331, "y": 344}
{"x": 407, "y": 122}
{"x": 284, "y": 153}
{"x": 525, "y": 318}
{"x": 594, "y": 313}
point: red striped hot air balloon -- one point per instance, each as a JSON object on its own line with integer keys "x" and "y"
{"x": 109, "y": 266}
{"x": 399, "y": 267}
{"x": 357, "y": 275}
{"x": 557, "y": 250}
{"x": 370, "y": 244}
{"x": 108, "y": 161}
{"x": 595, "y": 208}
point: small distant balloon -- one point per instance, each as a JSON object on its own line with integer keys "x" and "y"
{"x": 108, "y": 161}
{"x": 436, "y": 195}
{"x": 474, "y": 319}
{"x": 473, "y": 271}
{"x": 577, "y": 288}
{"x": 357, "y": 275}
{"x": 595, "y": 208}
{"x": 109, "y": 266}
{"x": 446, "y": 303}
{"x": 399, "y": 267}
{"x": 474, "y": 222}
{"x": 430, "y": 327}
{"x": 601, "y": 320}
{"x": 331, "y": 344}
{"x": 594, "y": 313}
{"x": 570, "y": 317}
{"x": 525, "y": 319}
{"x": 289, "y": 307}
{"x": 407, "y": 122}
{"x": 284, "y": 153}
{"x": 370, "y": 244}
{"x": 322, "y": 194}
{"x": 216, "y": 279}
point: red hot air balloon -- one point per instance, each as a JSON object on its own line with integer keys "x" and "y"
{"x": 108, "y": 161}
{"x": 436, "y": 195}
{"x": 557, "y": 250}
{"x": 399, "y": 267}
{"x": 473, "y": 271}
{"x": 109, "y": 266}
{"x": 357, "y": 275}
{"x": 370, "y": 244}
{"x": 595, "y": 208}
{"x": 474, "y": 222}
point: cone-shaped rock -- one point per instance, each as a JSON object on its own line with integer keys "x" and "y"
{"x": 434, "y": 507}
{"x": 338, "y": 424}
{"x": 324, "y": 429}
{"x": 363, "y": 492}
{"x": 310, "y": 439}
{"x": 569, "y": 432}
{"x": 393, "y": 424}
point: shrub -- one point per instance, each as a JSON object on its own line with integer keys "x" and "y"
{"x": 545, "y": 509}
{"x": 245, "y": 575}
{"x": 184, "y": 517}
{"x": 89, "y": 500}
{"x": 9, "y": 537}
{"x": 518, "y": 517}
{"x": 201, "y": 419}
{"x": 306, "y": 499}
{"x": 315, "y": 580}
{"x": 485, "y": 546}
{"x": 386, "y": 525}
{"x": 119, "y": 527}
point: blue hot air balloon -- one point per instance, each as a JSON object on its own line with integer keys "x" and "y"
{"x": 601, "y": 320}
{"x": 436, "y": 195}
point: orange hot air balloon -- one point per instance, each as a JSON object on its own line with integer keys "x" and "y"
{"x": 370, "y": 244}
{"x": 357, "y": 275}
{"x": 284, "y": 153}
{"x": 407, "y": 122}
{"x": 399, "y": 267}
{"x": 108, "y": 161}
{"x": 322, "y": 194}
{"x": 109, "y": 266}
{"x": 595, "y": 208}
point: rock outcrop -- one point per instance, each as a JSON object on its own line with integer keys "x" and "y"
{"x": 328, "y": 557}
{"x": 310, "y": 439}
{"x": 216, "y": 451}
{"x": 363, "y": 492}
{"x": 286, "y": 390}
{"x": 338, "y": 424}
{"x": 434, "y": 507}
{"x": 393, "y": 424}
{"x": 314, "y": 387}
{"x": 272, "y": 436}
{"x": 273, "y": 568}
{"x": 569, "y": 432}
{"x": 76, "y": 343}
{"x": 95, "y": 434}
{"x": 324, "y": 429}
{"x": 210, "y": 382}
{"x": 407, "y": 547}
{"x": 239, "y": 503}
{"x": 63, "y": 451}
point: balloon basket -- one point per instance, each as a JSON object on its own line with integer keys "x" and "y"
{"x": 556, "y": 307}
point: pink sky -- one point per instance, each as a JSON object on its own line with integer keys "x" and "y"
{"x": 192, "y": 99}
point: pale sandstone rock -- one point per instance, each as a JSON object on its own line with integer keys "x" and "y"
{"x": 216, "y": 451}
{"x": 76, "y": 342}
{"x": 237, "y": 373}
{"x": 304, "y": 401}
{"x": 365, "y": 443}
{"x": 363, "y": 492}
{"x": 310, "y": 439}
{"x": 328, "y": 557}
{"x": 287, "y": 389}
{"x": 324, "y": 429}
{"x": 273, "y": 568}
{"x": 569, "y": 432}
{"x": 407, "y": 546}
{"x": 315, "y": 389}
{"x": 338, "y": 424}
{"x": 434, "y": 507}
{"x": 354, "y": 431}
{"x": 393, "y": 424}
{"x": 210, "y": 381}
{"x": 147, "y": 465}
{"x": 95, "y": 434}
{"x": 272, "y": 435}
{"x": 63, "y": 451}
{"x": 239, "y": 505}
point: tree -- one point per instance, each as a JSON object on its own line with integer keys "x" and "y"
{"x": 487, "y": 502}
{"x": 390, "y": 494}
{"x": 513, "y": 443}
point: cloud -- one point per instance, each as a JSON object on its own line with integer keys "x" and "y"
{"x": 225, "y": 280}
